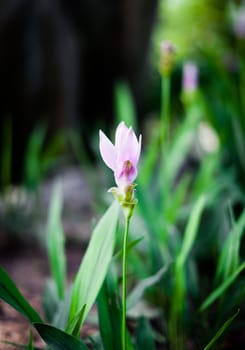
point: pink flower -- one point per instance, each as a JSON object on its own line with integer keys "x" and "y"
{"x": 123, "y": 157}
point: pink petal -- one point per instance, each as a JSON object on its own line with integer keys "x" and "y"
{"x": 107, "y": 151}
{"x": 120, "y": 135}
{"x": 130, "y": 148}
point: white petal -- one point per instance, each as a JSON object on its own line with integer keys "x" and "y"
{"x": 121, "y": 133}
{"x": 130, "y": 148}
{"x": 107, "y": 151}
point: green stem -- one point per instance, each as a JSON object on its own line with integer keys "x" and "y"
{"x": 176, "y": 335}
{"x": 124, "y": 286}
{"x": 165, "y": 107}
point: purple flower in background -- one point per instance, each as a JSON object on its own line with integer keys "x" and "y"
{"x": 190, "y": 77}
{"x": 123, "y": 157}
{"x": 239, "y": 22}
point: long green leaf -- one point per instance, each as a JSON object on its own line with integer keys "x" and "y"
{"x": 95, "y": 263}
{"x": 140, "y": 288}
{"x": 144, "y": 336}
{"x": 130, "y": 246}
{"x": 56, "y": 241}
{"x": 191, "y": 230}
{"x": 57, "y": 339}
{"x": 11, "y": 294}
{"x": 229, "y": 257}
{"x": 125, "y": 108}
{"x": 220, "y": 290}
{"x": 60, "y": 318}
{"x": 30, "y": 344}
{"x": 221, "y": 331}
{"x": 74, "y": 326}
{"x": 110, "y": 312}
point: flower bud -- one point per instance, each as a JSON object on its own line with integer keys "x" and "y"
{"x": 167, "y": 57}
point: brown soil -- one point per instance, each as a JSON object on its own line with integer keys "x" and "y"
{"x": 28, "y": 267}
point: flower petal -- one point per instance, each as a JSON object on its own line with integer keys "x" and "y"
{"x": 107, "y": 151}
{"x": 121, "y": 133}
{"x": 130, "y": 148}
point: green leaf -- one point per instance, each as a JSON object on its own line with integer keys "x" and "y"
{"x": 75, "y": 325}
{"x": 109, "y": 312}
{"x": 56, "y": 241}
{"x": 50, "y": 300}
{"x": 221, "y": 331}
{"x": 178, "y": 198}
{"x": 181, "y": 144}
{"x": 229, "y": 258}
{"x": 95, "y": 263}
{"x": 130, "y": 246}
{"x": 57, "y": 339}
{"x": 149, "y": 161}
{"x": 11, "y": 294}
{"x": 53, "y": 152}
{"x": 144, "y": 336}
{"x": 221, "y": 289}
{"x": 191, "y": 231}
{"x": 61, "y": 315}
{"x": 125, "y": 108}
{"x": 32, "y": 170}
{"x": 137, "y": 293}
{"x": 30, "y": 344}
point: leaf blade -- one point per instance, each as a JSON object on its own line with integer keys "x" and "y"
{"x": 11, "y": 295}
{"x": 57, "y": 339}
{"x": 95, "y": 263}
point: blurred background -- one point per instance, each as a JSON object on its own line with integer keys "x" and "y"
{"x": 60, "y": 61}
{"x": 63, "y": 65}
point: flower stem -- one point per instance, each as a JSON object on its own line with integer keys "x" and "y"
{"x": 124, "y": 286}
{"x": 165, "y": 108}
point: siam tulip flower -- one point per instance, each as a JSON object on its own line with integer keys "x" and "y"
{"x": 122, "y": 158}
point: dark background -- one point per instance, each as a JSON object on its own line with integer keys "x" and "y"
{"x": 59, "y": 61}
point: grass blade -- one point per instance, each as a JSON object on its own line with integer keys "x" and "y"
{"x": 56, "y": 241}
{"x": 125, "y": 108}
{"x": 220, "y": 290}
{"x": 30, "y": 344}
{"x": 229, "y": 258}
{"x": 110, "y": 313}
{"x": 139, "y": 290}
{"x": 221, "y": 331}
{"x": 191, "y": 230}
